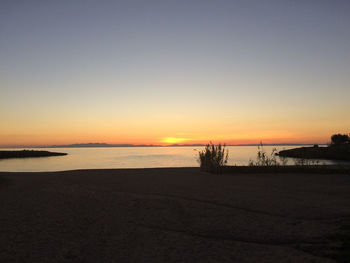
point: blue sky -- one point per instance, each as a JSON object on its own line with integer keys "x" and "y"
{"x": 145, "y": 70}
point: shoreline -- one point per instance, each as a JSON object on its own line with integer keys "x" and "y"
{"x": 227, "y": 170}
{"x": 336, "y": 152}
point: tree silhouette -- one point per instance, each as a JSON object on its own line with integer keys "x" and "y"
{"x": 340, "y": 138}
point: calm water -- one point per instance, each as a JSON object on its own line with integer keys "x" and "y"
{"x": 128, "y": 157}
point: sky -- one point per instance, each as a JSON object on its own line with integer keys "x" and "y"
{"x": 162, "y": 72}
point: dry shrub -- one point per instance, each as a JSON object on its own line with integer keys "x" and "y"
{"x": 213, "y": 158}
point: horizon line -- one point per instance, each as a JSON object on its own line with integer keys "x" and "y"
{"x": 107, "y": 145}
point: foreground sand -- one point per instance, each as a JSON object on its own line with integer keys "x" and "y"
{"x": 170, "y": 215}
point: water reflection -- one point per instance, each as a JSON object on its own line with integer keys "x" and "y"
{"x": 129, "y": 157}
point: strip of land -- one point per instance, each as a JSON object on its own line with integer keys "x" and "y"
{"x": 28, "y": 154}
{"x": 332, "y": 152}
{"x": 172, "y": 215}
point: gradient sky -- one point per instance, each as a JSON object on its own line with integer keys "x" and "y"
{"x": 173, "y": 71}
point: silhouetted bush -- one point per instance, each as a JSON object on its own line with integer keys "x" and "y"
{"x": 263, "y": 159}
{"x": 305, "y": 162}
{"x": 340, "y": 138}
{"x": 213, "y": 158}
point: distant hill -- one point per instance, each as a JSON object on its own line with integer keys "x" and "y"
{"x": 83, "y": 145}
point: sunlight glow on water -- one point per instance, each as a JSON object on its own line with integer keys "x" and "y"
{"x": 127, "y": 157}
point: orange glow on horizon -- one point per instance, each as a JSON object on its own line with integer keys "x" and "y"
{"x": 174, "y": 140}
{"x": 165, "y": 132}
{"x": 48, "y": 140}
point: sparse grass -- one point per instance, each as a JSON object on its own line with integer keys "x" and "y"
{"x": 305, "y": 162}
{"x": 270, "y": 160}
{"x": 264, "y": 159}
{"x": 213, "y": 158}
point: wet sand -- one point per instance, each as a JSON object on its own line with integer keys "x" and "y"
{"x": 170, "y": 215}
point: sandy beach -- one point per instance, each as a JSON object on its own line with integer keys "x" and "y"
{"x": 170, "y": 215}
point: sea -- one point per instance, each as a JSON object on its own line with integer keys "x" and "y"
{"x": 130, "y": 157}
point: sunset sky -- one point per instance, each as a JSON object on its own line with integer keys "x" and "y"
{"x": 162, "y": 72}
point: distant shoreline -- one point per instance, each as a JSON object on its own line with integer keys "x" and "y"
{"x": 103, "y": 145}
